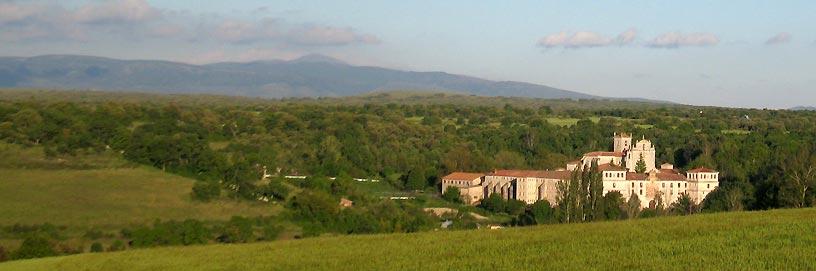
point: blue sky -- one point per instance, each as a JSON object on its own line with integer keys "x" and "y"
{"x": 728, "y": 53}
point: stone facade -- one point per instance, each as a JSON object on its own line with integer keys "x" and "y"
{"x": 617, "y": 170}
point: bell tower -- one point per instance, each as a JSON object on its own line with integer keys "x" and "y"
{"x": 623, "y": 141}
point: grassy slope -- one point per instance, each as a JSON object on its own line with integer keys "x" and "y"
{"x": 97, "y": 191}
{"x": 105, "y": 197}
{"x": 780, "y": 239}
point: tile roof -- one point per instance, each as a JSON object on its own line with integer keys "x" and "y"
{"x": 463, "y": 176}
{"x": 702, "y": 170}
{"x": 665, "y": 176}
{"x": 632, "y": 176}
{"x": 604, "y": 153}
{"x": 610, "y": 167}
{"x": 548, "y": 174}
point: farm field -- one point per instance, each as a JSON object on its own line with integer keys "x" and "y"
{"x": 725, "y": 241}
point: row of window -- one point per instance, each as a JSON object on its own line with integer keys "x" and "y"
{"x": 703, "y": 176}
{"x": 616, "y": 175}
{"x": 671, "y": 185}
{"x": 459, "y": 182}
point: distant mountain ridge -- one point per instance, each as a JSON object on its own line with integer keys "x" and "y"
{"x": 308, "y": 76}
{"x": 803, "y": 108}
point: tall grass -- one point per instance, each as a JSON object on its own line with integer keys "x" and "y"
{"x": 779, "y": 239}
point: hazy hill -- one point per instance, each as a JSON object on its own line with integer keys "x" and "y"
{"x": 801, "y": 108}
{"x": 724, "y": 241}
{"x": 308, "y": 76}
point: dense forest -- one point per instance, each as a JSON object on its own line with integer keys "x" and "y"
{"x": 767, "y": 158}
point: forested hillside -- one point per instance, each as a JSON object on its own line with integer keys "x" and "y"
{"x": 766, "y": 157}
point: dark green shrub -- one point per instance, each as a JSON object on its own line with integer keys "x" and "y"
{"x": 97, "y": 247}
{"x": 206, "y": 190}
{"x": 35, "y": 246}
{"x": 117, "y": 246}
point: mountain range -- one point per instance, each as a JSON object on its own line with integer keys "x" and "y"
{"x": 307, "y": 76}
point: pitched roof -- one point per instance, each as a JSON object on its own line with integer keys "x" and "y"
{"x": 547, "y": 174}
{"x": 604, "y": 153}
{"x": 666, "y": 170}
{"x": 463, "y": 176}
{"x": 632, "y": 176}
{"x": 610, "y": 167}
{"x": 666, "y": 176}
{"x": 661, "y": 176}
{"x": 702, "y": 170}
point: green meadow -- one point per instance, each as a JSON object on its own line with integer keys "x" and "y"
{"x": 99, "y": 191}
{"x": 775, "y": 240}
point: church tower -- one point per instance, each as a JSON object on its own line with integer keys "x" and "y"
{"x": 623, "y": 142}
{"x": 643, "y": 149}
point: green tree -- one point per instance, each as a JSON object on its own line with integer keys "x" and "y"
{"x": 612, "y": 205}
{"x": 206, "y": 190}
{"x": 514, "y": 207}
{"x": 276, "y": 189}
{"x": 3, "y": 254}
{"x": 640, "y": 166}
{"x": 494, "y": 203}
{"x": 237, "y": 230}
{"x": 416, "y": 179}
{"x": 97, "y": 247}
{"x": 595, "y": 196}
{"x": 684, "y": 205}
{"x": 452, "y": 195}
{"x": 35, "y": 246}
{"x": 542, "y": 212}
{"x": 633, "y": 206}
{"x": 117, "y": 245}
{"x": 509, "y": 159}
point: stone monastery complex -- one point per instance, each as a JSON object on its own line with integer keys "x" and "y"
{"x": 618, "y": 171}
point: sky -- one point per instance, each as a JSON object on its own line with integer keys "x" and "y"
{"x": 746, "y": 53}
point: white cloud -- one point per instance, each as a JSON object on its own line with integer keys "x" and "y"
{"x": 276, "y": 31}
{"x": 115, "y": 12}
{"x": 586, "y": 39}
{"x": 137, "y": 19}
{"x": 780, "y": 38}
{"x": 316, "y": 35}
{"x": 677, "y": 39}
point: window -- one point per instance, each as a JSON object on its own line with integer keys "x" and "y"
{"x": 678, "y": 185}
{"x": 633, "y": 184}
{"x": 664, "y": 185}
{"x": 641, "y": 184}
{"x": 686, "y": 185}
{"x": 671, "y": 185}
{"x": 708, "y": 186}
{"x": 613, "y": 185}
{"x": 641, "y": 192}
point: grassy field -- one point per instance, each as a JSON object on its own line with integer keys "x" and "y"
{"x": 99, "y": 191}
{"x": 780, "y": 239}
{"x": 106, "y": 197}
